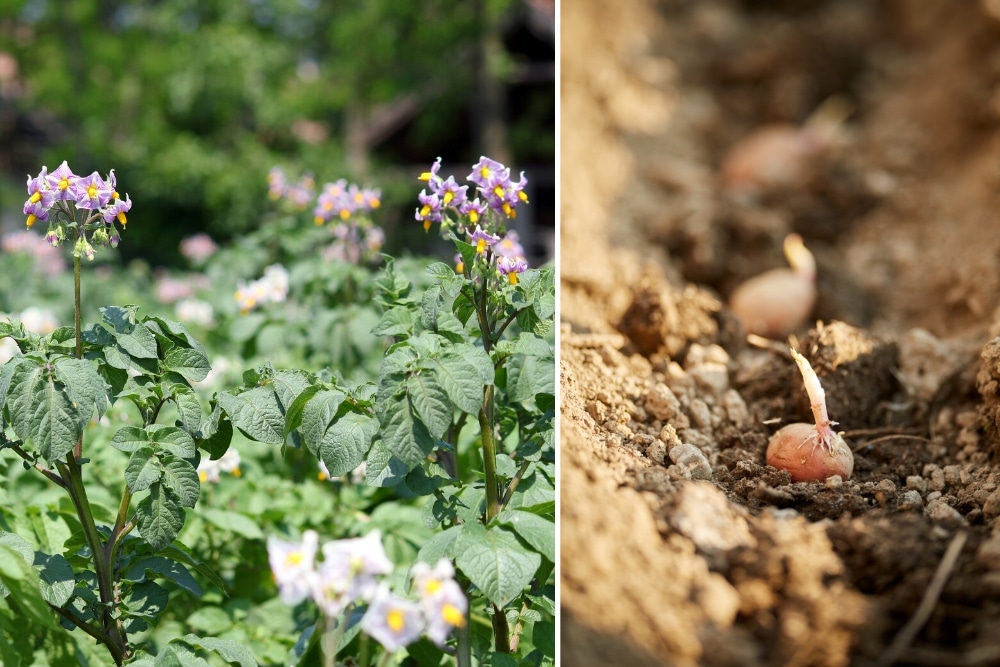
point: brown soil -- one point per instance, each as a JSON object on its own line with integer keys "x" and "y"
{"x": 679, "y": 545}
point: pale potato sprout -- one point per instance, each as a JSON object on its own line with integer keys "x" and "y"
{"x": 776, "y": 302}
{"x": 827, "y": 453}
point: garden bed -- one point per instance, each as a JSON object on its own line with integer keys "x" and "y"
{"x": 666, "y": 562}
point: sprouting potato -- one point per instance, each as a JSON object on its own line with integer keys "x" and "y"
{"x": 811, "y": 451}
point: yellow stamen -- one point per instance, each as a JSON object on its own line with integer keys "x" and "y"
{"x": 498, "y": 191}
{"x": 394, "y": 619}
{"x": 238, "y": 473}
{"x": 424, "y": 176}
{"x": 473, "y": 216}
{"x": 511, "y": 213}
{"x": 31, "y": 219}
{"x": 63, "y": 183}
{"x": 92, "y": 191}
{"x": 427, "y": 225}
{"x": 375, "y": 203}
{"x": 35, "y": 198}
{"x": 522, "y": 196}
{"x": 481, "y": 246}
{"x": 321, "y": 476}
{"x": 512, "y": 277}
{"x": 452, "y": 615}
{"x": 448, "y": 196}
{"x": 121, "y": 218}
{"x": 203, "y": 476}
{"x": 318, "y": 220}
{"x": 294, "y": 558}
{"x": 432, "y": 586}
{"x": 460, "y": 267}
{"x": 359, "y": 198}
{"x": 344, "y": 214}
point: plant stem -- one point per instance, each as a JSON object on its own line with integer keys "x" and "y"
{"x": 70, "y": 470}
{"x": 463, "y": 655}
{"x": 489, "y": 457}
{"x": 501, "y": 630}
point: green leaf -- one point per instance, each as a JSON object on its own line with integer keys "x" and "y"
{"x": 215, "y": 433}
{"x": 396, "y": 321}
{"x": 189, "y": 408}
{"x": 537, "y": 531}
{"x": 171, "y": 439}
{"x": 527, "y": 376}
{"x": 442, "y": 545}
{"x": 293, "y": 413}
{"x": 288, "y": 384}
{"x": 317, "y": 414}
{"x": 430, "y": 402}
{"x": 129, "y": 439}
{"x": 178, "y": 654}
{"x": 430, "y": 304}
{"x": 233, "y": 522}
{"x": 533, "y": 346}
{"x": 84, "y": 386}
{"x": 192, "y": 364}
{"x": 230, "y": 651}
{"x": 143, "y": 469}
{"x": 182, "y": 479}
{"x": 210, "y": 620}
{"x": 56, "y": 578}
{"x": 495, "y": 562}
{"x": 439, "y": 270}
{"x": 139, "y": 343}
{"x": 382, "y": 468}
{"x": 346, "y": 442}
{"x": 159, "y": 517}
{"x": 176, "y": 331}
{"x": 256, "y": 413}
{"x": 25, "y": 595}
{"x": 461, "y": 374}
{"x": 42, "y": 412}
{"x": 162, "y": 567}
{"x": 404, "y": 437}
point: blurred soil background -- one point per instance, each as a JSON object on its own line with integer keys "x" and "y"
{"x": 674, "y": 558}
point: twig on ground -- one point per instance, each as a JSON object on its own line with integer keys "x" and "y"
{"x": 909, "y": 631}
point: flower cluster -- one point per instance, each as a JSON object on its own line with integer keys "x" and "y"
{"x": 211, "y": 471}
{"x": 497, "y": 192}
{"x": 480, "y": 218}
{"x": 344, "y": 200}
{"x": 355, "y": 238}
{"x": 271, "y": 288}
{"x": 59, "y": 197}
{"x": 348, "y": 575}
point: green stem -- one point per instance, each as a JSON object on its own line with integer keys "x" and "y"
{"x": 489, "y": 456}
{"x": 90, "y": 630}
{"x": 514, "y": 483}
{"x": 70, "y": 470}
{"x": 463, "y": 655}
{"x": 501, "y": 630}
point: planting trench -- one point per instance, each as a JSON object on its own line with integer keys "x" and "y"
{"x": 681, "y": 563}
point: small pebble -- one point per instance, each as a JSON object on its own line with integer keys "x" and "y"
{"x": 991, "y": 508}
{"x": 690, "y": 459}
{"x": 937, "y": 480}
{"x": 944, "y": 513}
{"x": 952, "y": 474}
{"x": 916, "y": 483}
{"x": 662, "y": 403}
{"x": 700, "y": 414}
{"x": 834, "y": 482}
{"x": 910, "y": 500}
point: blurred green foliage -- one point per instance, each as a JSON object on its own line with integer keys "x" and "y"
{"x": 193, "y": 101}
